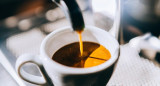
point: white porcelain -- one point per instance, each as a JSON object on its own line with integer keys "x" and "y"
{"x": 62, "y": 75}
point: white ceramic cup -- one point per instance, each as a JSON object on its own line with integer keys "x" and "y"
{"x": 61, "y": 75}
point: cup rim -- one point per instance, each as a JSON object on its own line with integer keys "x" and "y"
{"x": 73, "y": 70}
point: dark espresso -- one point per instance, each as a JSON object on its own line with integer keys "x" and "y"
{"x": 93, "y": 55}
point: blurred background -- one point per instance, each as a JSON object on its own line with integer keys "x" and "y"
{"x": 140, "y": 17}
{"x": 25, "y": 23}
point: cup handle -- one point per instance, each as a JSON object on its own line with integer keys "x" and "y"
{"x": 29, "y": 58}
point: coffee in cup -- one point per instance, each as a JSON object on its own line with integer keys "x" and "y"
{"x": 93, "y": 54}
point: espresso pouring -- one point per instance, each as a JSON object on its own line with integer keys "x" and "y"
{"x": 82, "y": 54}
{"x": 79, "y": 54}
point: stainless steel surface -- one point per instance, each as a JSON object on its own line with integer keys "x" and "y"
{"x": 5, "y": 77}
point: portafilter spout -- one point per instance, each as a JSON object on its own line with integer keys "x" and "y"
{"x": 72, "y": 12}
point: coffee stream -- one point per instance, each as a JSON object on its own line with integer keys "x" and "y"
{"x": 80, "y": 42}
